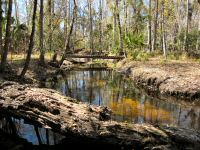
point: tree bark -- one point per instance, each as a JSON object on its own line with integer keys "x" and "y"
{"x": 149, "y": 28}
{"x": 7, "y": 38}
{"x": 31, "y": 42}
{"x": 65, "y": 21}
{"x": 100, "y": 25}
{"x": 188, "y": 19}
{"x": 89, "y": 123}
{"x": 155, "y": 26}
{"x": 1, "y": 28}
{"x": 114, "y": 26}
{"x": 125, "y": 17}
{"x": 67, "y": 47}
{"x": 198, "y": 38}
{"x": 91, "y": 26}
{"x": 120, "y": 29}
{"x": 50, "y": 27}
{"x": 164, "y": 45}
{"x": 42, "y": 51}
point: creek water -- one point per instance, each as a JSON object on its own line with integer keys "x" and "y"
{"x": 128, "y": 103}
{"x": 32, "y": 133}
{"x": 106, "y": 88}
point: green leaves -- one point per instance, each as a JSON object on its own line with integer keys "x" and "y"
{"x": 134, "y": 41}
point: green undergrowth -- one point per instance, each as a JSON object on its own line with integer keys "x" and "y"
{"x": 139, "y": 55}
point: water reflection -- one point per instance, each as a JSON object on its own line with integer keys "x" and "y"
{"x": 140, "y": 112}
{"x": 32, "y": 133}
{"x": 127, "y": 102}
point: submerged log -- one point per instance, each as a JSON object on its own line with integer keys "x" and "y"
{"x": 90, "y": 123}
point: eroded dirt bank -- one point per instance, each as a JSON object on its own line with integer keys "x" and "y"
{"x": 177, "y": 79}
{"x": 91, "y": 123}
{"x": 36, "y": 74}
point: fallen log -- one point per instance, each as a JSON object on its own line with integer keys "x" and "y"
{"x": 92, "y": 123}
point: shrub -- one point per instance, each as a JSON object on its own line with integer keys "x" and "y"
{"x": 139, "y": 55}
{"x": 143, "y": 56}
{"x": 173, "y": 56}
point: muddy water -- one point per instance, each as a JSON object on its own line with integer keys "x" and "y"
{"x": 128, "y": 103}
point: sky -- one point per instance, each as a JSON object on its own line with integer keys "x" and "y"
{"x": 23, "y": 14}
{"x": 81, "y": 3}
{"x": 21, "y": 9}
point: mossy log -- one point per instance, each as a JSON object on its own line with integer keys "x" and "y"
{"x": 92, "y": 123}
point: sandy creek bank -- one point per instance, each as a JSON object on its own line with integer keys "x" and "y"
{"x": 175, "y": 79}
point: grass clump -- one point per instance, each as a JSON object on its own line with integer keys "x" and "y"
{"x": 139, "y": 55}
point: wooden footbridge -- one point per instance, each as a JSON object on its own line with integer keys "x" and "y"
{"x": 95, "y": 56}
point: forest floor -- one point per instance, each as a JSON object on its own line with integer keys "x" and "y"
{"x": 179, "y": 79}
{"x": 35, "y": 75}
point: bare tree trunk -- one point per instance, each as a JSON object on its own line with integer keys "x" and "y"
{"x": 31, "y": 42}
{"x": 12, "y": 43}
{"x": 164, "y": 47}
{"x": 7, "y": 38}
{"x": 198, "y": 39}
{"x": 187, "y": 26}
{"x": 1, "y": 28}
{"x": 42, "y": 51}
{"x": 155, "y": 27}
{"x": 65, "y": 21}
{"x": 67, "y": 47}
{"x": 69, "y": 11}
{"x": 149, "y": 28}
{"x": 74, "y": 37}
{"x": 50, "y": 17}
{"x": 125, "y": 17}
{"x": 83, "y": 24}
{"x": 114, "y": 26}
{"x": 91, "y": 26}
{"x": 16, "y": 12}
{"x": 120, "y": 29}
{"x": 100, "y": 25}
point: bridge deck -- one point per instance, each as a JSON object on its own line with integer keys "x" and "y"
{"x": 94, "y": 56}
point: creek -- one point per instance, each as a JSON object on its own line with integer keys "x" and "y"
{"x": 105, "y": 88}
{"x": 128, "y": 103}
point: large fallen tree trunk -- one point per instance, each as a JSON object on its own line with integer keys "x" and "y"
{"x": 92, "y": 123}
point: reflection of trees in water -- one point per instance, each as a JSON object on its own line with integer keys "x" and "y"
{"x": 174, "y": 109}
{"x": 68, "y": 90}
{"x": 191, "y": 114}
{"x": 38, "y": 135}
{"x": 91, "y": 79}
{"x": 16, "y": 127}
{"x": 198, "y": 122}
{"x": 105, "y": 87}
{"x": 140, "y": 112}
{"x": 8, "y": 126}
{"x": 86, "y": 85}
